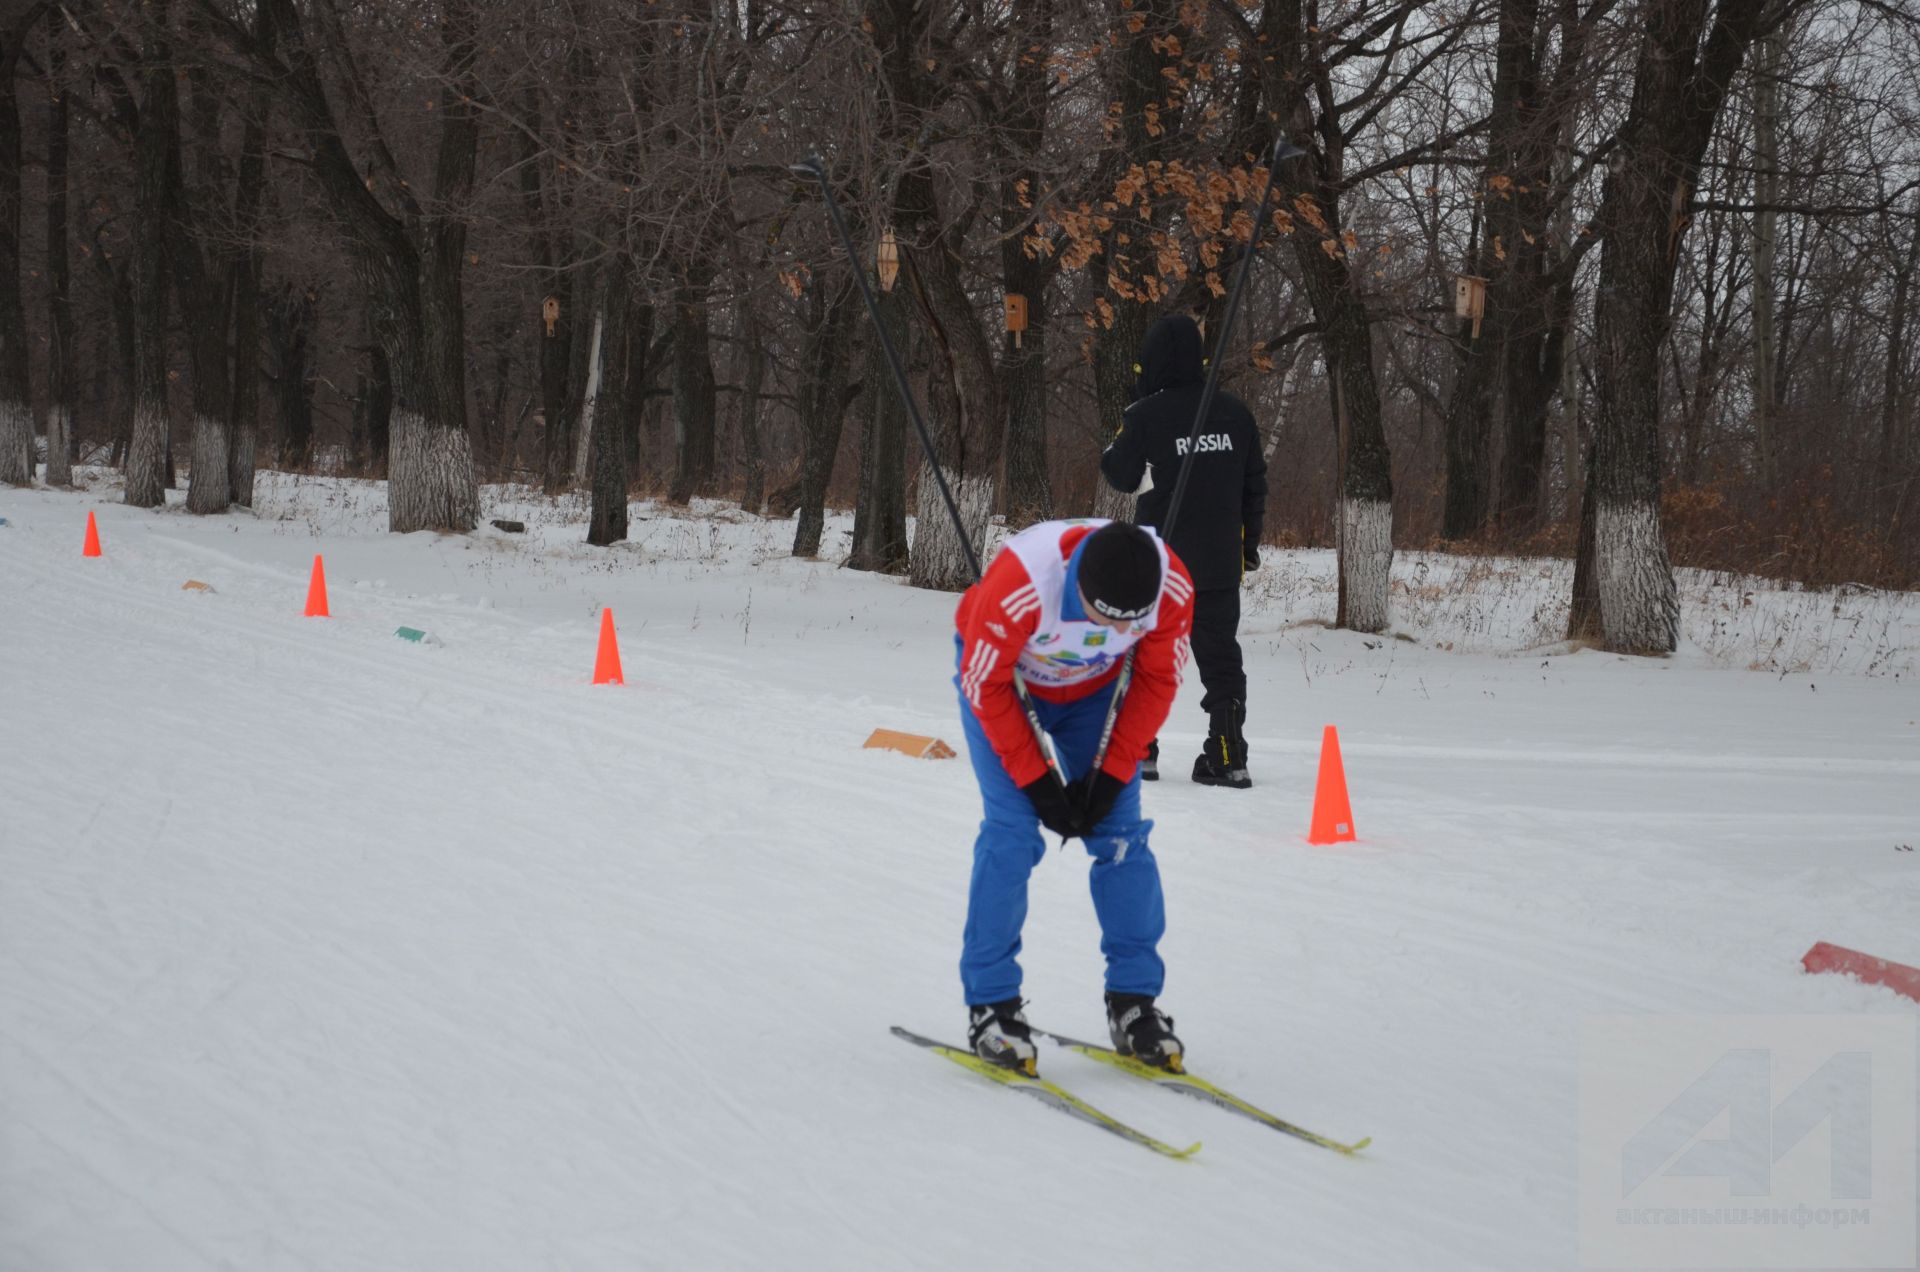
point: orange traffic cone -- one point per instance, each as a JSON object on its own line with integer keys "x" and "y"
{"x": 92, "y": 545}
{"x": 1332, "y": 815}
{"x": 317, "y": 591}
{"x": 606, "y": 664}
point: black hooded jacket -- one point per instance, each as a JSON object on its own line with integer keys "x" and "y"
{"x": 1226, "y": 501}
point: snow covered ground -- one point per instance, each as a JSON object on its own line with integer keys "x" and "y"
{"x": 320, "y": 949}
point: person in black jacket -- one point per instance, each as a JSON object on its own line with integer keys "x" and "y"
{"x": 1218, "y": 531}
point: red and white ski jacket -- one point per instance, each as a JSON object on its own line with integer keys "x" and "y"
{"x": 1012, "y": 618}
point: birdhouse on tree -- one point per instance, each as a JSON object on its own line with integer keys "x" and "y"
{"x": 886, "y": 259}
{"x": 1016, "y": 316}
{"x": 1470, "y": 299}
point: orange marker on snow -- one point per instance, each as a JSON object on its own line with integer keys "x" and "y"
{"x": 606, "y": 664}
{"x": 1332, "y": 814}
{"x": 92, "y": 545}
{"x": 317, "y": 591}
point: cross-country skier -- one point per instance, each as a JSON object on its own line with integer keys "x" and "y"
{"x": 1061, "y": 605}
{"x": 1218, "y": 530}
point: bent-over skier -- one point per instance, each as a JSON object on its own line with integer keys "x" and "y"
{"x": 1062, "y": 605}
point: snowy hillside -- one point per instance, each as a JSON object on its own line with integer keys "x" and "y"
{"x": 323, "y": 949}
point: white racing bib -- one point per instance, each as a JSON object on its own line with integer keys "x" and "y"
{"x": 1065, "y": 651}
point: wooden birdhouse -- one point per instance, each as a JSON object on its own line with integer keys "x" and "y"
{"x": 1016, "y": 316}
{"x": 550, "y": 310}
{"x": 886, "y": 259}
{"x": 1470, "y": 299}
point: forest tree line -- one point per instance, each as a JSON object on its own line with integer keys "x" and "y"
{"x": 1627, "y": 279}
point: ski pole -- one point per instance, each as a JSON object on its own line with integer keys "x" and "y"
{"x": 815, "y": 167}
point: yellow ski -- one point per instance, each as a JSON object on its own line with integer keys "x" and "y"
{"x": 1200, "y": 1089}
{"x": 1051, "y": 1094}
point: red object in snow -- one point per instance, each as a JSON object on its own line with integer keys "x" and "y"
{"x": 1897, "y": 977}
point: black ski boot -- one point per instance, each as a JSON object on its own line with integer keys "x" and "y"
{"x": 1223, "y": 760}
{"x": 1150, "y": 766}
{"x": 1141, "y": 1031}
{"x": 998, "y": 1034}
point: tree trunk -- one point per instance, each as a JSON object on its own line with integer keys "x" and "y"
{"x": 753, "y": 496}
{"x": 556, "y": 387}
{"x": 116, "y": 281}
{"x": 410, "y": 265}
{"x": 60, "y": 348}
{"x": 201, "y": 282}
{"x": 1469, "y": 423}
{"x": 822, "y": 404}
{"x": 1365, "y": 527}
{"x": 1894, "y": 393}
{"x": 552, "y": 344}
{"x": 248, "y": 273}
{"x": 1768, "y": 64}
{"x": 379, "y": 410}
{"x": 147, "y": 457}
{"x": 694, "y": 394}
{"x": 972, "y": 430}
{"x": 1023, "y": 359}
{"x": 289, "y": 332}
{"x": 16, "y": 390}
{"x": 1583, "y": 615}
{"x": 604, "y": 418}
{"x": 1024, "y": 370}
{"x": 880, "y": 514}
{"x": 1679, "y": 87}
{"x": 588, "y": 352}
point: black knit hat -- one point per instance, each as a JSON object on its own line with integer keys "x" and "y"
{"x": 1120, "y": 571}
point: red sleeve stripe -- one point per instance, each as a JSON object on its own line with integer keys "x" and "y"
{"x": 978, "y": 666}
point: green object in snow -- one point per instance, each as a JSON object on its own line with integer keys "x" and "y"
{"x": 415, "y": 635}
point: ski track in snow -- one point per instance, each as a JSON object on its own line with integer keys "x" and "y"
{"x": 319, "y": 949}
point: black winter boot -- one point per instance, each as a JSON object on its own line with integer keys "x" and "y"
{"x": 1223, "y": 760}
{"x": 1140, "y": 1030}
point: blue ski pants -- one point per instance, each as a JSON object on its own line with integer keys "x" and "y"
{"x": 1125, "y": 877}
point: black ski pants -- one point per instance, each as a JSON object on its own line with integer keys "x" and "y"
{"x": 1216, "y": 646}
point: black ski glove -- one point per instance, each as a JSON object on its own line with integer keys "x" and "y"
{"x": 1250, "y": 557}
{"x": 1049, "y": 800}
{"x": 1095, "y": 794}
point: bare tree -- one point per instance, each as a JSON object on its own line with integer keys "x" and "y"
{"x": 1689, "y": 56}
